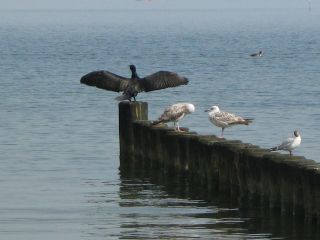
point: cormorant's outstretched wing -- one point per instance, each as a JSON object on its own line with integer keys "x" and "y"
{"x": 105, "y": 80}
{"x": 160, "y": 80}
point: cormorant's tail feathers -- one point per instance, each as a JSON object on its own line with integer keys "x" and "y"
{"x": 122, "y": 97}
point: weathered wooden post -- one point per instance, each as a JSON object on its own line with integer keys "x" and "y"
{"x": 128, "y": 113}
{"x": 290, "y": 185}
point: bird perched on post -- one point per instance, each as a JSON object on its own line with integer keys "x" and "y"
{"x": 175, "y": 113}
{"x": 132, "y": 86}
{"x": 225, "y": 119}
{"x": 289, "y": 144}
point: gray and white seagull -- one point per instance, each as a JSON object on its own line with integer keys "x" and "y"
{"x": 289, "y": 144}
{"x": 225, "y": 119}
{"x": 134, "y": 85}
{"x": 175, "y": 113}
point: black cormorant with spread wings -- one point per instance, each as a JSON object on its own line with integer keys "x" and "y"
{"x": 132, "y": 86}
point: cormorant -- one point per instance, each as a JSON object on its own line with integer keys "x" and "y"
{"x": 132, "y": 86}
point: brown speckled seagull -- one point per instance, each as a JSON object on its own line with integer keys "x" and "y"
{"x": 225, "y": 119}
{"x": 175, "y": 113}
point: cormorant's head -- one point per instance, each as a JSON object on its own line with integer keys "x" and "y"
{"x": 132, "y": 68}
{"x": 134, "y": 74}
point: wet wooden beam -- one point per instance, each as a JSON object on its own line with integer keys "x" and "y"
{"x": 287, "y": 184}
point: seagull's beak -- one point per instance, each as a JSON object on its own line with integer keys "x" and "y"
{"x": 207, "y": 110}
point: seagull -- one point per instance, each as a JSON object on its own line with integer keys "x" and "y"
{"x": 290, "y": 143}
{"x": 225, "y": 119}
{"x": 259, "y": 54}
{"x": 132, "y": 86}
{"x": 175, "y": 113}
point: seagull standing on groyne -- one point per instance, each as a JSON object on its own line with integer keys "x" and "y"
{"x": 289, "y": 144}
{"x": 225, "y": 119}
{"x": 175, "y": 113}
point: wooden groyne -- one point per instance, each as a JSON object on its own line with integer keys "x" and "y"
{"x": 290, "y": 185}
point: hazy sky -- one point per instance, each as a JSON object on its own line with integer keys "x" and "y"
{"x": 154, "y": 4}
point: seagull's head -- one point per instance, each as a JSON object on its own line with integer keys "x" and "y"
{"x": 213, "y": 109}
{"x": 296, "y": 133}
{"x": 191, "y": 108}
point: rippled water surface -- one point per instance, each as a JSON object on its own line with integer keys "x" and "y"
{"x": 59, "y": 154}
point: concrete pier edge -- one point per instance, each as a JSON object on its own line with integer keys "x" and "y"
{"x": 287, "y": 184}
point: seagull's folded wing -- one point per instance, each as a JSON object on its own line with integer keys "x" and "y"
{"x": 105, "y": 80}
{"x": 173, "y": 112}
{"x": 285, "y": 144}
{"x": 228, "y": 118}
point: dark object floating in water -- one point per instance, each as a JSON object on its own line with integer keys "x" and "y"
{"x": 132, "y": 86}
{"x": 259, "y": 54}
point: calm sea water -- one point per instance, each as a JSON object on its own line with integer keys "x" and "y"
{"x": 59, "y": 153}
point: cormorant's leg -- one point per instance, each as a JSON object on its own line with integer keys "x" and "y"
{"x": 134, "y": 98}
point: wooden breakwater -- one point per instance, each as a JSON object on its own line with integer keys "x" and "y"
{"x": 290, "y": 185}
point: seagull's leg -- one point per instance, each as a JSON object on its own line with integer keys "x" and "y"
{"x": 174, "y": 125}
{"x": 222, "y": 129}
{"x": 290, "y": 153}
{"x": 180, "y": 130}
